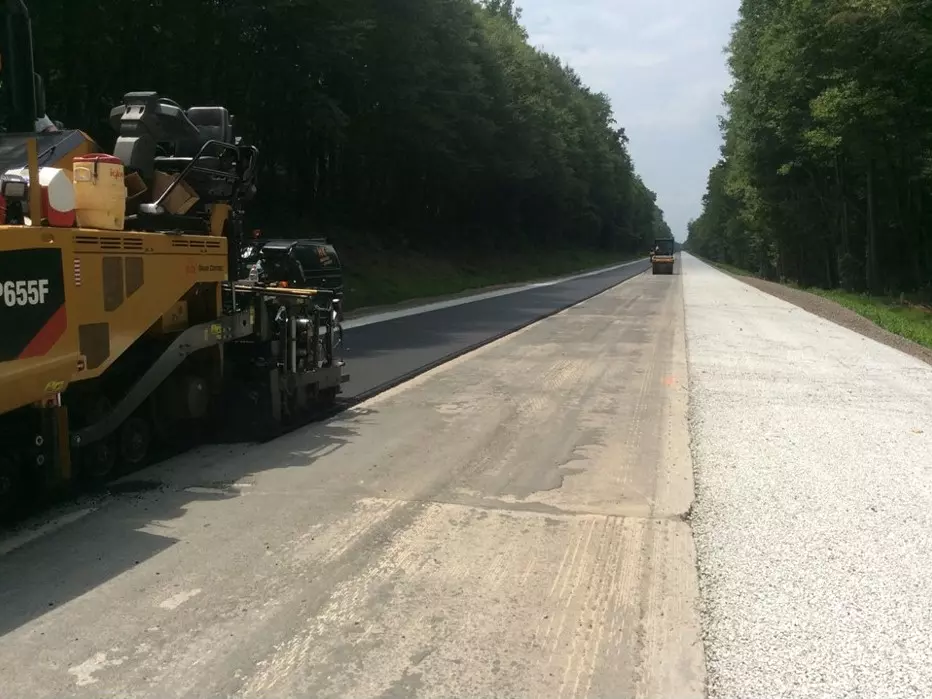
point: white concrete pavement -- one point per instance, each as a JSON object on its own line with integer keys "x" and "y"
{"x": 813, "y": 518}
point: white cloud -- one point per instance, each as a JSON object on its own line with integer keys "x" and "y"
{"x": 611, "y": 58}
{"x": 661, "y": 63}
{"x": 663, "y": 28}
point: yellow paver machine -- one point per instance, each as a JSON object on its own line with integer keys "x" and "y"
{"x": 125, "y": 322}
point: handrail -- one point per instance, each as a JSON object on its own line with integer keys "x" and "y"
{"x": 155, "y": 207}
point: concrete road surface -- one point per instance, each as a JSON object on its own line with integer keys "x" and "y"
{"x": 510, "y": 524}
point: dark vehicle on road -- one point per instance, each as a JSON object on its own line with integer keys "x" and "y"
{"x": 661, "y": 256}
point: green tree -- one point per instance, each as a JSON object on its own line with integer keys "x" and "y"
{"x": 825, "y": 175}
{"x": 431, "y": 123}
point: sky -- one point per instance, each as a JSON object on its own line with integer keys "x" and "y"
{"x": 662, "y": 64}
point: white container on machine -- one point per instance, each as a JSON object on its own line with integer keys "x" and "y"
{"x": 99, "y": 191}
{"x": 57, "y": 195}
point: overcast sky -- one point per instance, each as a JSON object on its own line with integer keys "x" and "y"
{"x": 661, "y": 62}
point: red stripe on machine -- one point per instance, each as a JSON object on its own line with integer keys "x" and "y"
{"x": 46, "y": 338}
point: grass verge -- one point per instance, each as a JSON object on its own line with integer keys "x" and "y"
{"x": 903, "y": 319}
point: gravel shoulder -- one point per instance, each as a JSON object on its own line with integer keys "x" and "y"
{"x": 811, "y": 448}
{"x": 835, "y": 312}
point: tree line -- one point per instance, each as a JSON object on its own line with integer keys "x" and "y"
{"x": 431, "y": 121}
{"x": 826, "y": 165}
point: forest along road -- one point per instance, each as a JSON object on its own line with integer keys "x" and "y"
{"x": 509, "y": 524}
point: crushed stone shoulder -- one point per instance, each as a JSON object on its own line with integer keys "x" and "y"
{"x": 835, "y": 312}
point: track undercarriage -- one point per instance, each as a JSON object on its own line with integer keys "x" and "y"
{"x": 280, "y": 370}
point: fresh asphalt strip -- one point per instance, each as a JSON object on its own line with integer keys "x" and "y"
{"x": 383, "y": 354}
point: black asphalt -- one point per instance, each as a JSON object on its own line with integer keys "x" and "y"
{"x": 381, "y": 355}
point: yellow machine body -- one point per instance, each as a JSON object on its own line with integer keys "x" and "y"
{"x": 662, "y": 258}
{"x": 662, "y": 264}
{"x": 115, "y": 287}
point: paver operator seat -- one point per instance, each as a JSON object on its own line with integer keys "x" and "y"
{"x": 143, "y": 121}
